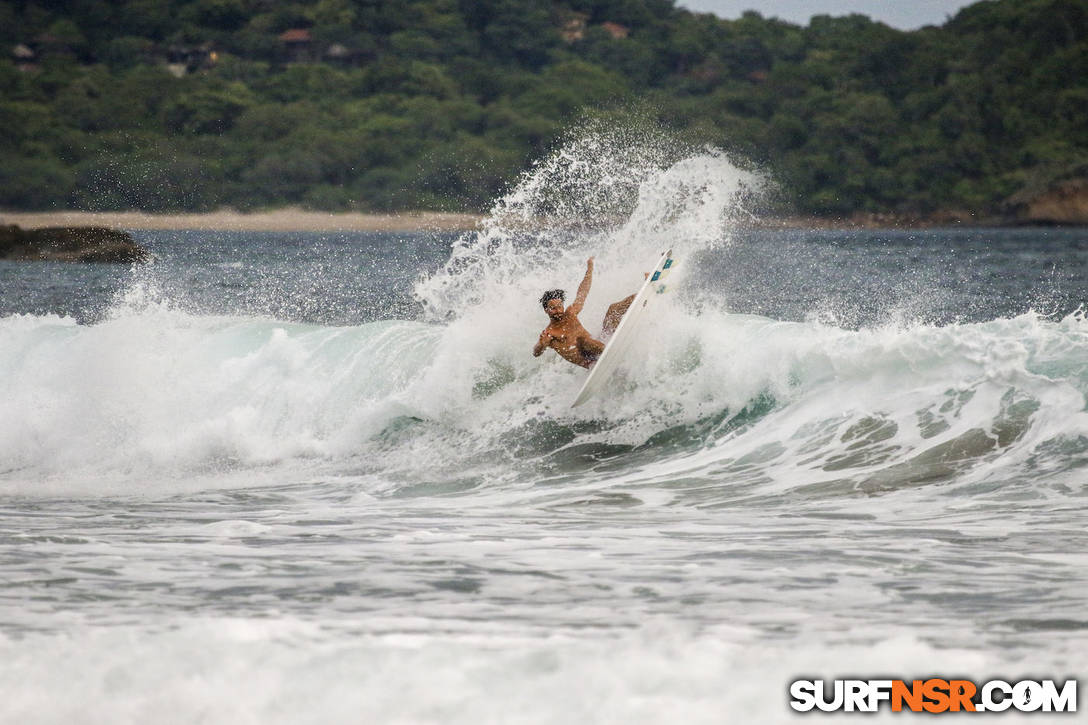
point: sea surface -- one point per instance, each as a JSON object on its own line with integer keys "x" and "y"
{"x": 312, "y": 478}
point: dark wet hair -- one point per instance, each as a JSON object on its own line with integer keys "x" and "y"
{"x": 552, "y": 294}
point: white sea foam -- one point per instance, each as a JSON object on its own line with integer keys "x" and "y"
{"x": 167, "y": 393}
{"x": 294, "y": 672}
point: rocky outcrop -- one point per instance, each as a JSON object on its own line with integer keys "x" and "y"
{"x": 1064, "y": 202}
{"x": 70, "y": 244}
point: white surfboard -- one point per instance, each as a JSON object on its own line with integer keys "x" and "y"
{"x": 626, "y": 333}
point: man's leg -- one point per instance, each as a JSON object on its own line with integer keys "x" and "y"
{"x": 615, "y": 313}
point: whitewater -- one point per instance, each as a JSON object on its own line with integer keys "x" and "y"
{"x": 314, "y": 478}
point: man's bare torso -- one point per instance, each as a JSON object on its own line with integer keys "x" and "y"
{"x": 565, "y": 335}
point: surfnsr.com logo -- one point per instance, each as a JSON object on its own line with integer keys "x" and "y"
{"x": 933, "y": 695}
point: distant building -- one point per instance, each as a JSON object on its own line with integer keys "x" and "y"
{"x": 184, "y": 59}
{"x": 298, "y": 44}
{"x": 24, "y": 57}
{"x": 616, "y": 30}
{"x": 343, "y": 55}
{"x": 574, "y": 26}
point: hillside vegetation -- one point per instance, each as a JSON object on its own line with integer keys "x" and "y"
{"x": 382, "y": 105}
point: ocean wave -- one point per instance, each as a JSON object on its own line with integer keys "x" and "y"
{"x": 728, "y": 400}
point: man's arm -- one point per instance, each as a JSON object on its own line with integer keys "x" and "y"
{"x": 583, "y": 289}
{"x": 542, "y": 344}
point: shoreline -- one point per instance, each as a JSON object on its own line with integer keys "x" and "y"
{"x": 299, "y": 220}
{"x": 278, "y": 220}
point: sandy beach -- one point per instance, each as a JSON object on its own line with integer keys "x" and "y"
{"x": 280, "y": 220}
{"x": 301, "y": 220}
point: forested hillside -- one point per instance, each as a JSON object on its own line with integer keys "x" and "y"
{"x": 437, "y": 104}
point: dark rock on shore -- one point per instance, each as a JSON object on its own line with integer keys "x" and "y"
{"x": 70, "y": 244}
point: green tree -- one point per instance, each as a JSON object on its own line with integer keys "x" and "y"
{"x": 206, "y": 110}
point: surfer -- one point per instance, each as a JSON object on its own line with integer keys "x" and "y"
{"x": 565, "y": 333}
